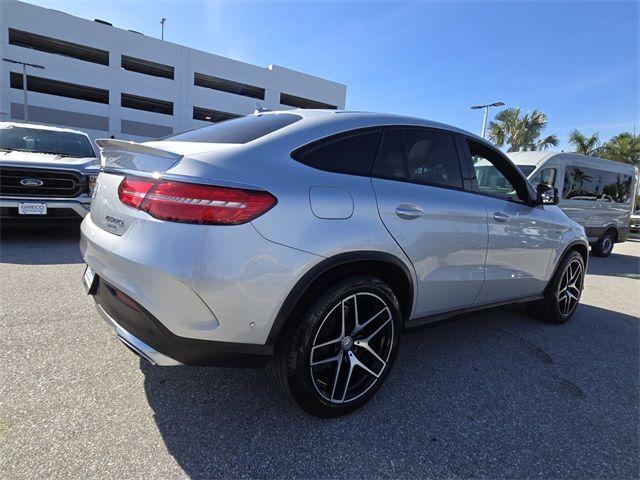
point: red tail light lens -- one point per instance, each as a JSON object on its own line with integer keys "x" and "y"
{"x": 192, "y": 203}
{"x": 132, "y": 190}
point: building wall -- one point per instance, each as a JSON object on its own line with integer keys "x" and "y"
{"x": 104, "y": 119}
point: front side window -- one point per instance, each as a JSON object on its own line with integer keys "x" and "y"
{"x": 420, "y": 156}
{"x": 526, "y": 169}
{"x": 350, "y": 153}
{"x": 65, "y": 144}
{"x": 584, "y": 183}
{"x": 546, "y": 176}
{"x": 495, "y": 176}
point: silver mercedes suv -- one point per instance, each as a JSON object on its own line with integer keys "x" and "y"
{"x": 308, "y": 241}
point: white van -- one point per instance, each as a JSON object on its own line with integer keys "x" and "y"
{"x": 598, "y": 194}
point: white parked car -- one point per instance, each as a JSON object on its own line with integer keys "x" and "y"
{"x": 597, "y": 193}
{"x": 46, "y": 173}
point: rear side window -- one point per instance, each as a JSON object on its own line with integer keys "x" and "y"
{"x": 351, "y": 153}
{"x": 238, "y": 130}
{"x": 419, "y": 156}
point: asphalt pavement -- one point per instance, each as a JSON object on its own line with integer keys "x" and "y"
{"x": 490, "y": 395}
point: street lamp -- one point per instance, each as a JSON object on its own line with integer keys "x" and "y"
{"x": 162, "y": 23}
{"x": 24, "y": 83}
{"x": 486, "y": 112}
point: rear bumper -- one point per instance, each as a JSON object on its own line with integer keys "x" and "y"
{"x": 58, "y": 208}
{"x": 147, "y": 337}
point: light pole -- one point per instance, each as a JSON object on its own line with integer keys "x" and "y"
{"x": 24, "y": 83}
{"x": 486, "y": 113}
{"x": 162, "y": 23}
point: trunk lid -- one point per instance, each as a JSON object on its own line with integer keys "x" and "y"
{"x": 120, "y": 158}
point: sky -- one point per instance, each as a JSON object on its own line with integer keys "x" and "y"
{"x": 578, "y": 61}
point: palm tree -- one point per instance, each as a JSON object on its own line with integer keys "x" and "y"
{"x": 624, "y": 147}
{"x": 584, "y": 145}
{"x": 520, "y": 132}
{"x": 581, "y": 177}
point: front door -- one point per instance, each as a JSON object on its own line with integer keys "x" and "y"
{"x": 522, "y": 237}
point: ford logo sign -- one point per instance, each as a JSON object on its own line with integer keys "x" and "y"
{"x": 31, "y": 182}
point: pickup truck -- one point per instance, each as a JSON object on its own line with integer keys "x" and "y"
{"x": 46, "y": 173}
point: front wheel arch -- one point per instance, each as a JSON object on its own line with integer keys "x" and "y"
{"x": 578, "y": 246}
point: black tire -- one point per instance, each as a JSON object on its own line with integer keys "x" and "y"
{"x": 559, "y": 305}
{"x": 336, "y": 384}
{"x": 604, "y": 246}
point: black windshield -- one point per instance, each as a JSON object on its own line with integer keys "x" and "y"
{"x": 26, "y": 139}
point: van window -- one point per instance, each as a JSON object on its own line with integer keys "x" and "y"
{"x": 583, "y": 183}
{"x": 546, "y": 176}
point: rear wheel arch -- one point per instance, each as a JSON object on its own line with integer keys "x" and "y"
{"x": 387, "y": 267}
{"x": 614, "y": 230}
{"x": 604, "y": 245}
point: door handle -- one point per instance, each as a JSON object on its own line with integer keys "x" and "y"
{"x": 409, "y": 212}
{"x": 500, "y": 217}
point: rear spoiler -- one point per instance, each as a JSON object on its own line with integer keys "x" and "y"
{"x": 119, "y": 155}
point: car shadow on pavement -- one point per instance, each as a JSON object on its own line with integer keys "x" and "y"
{"x": 496, "y": 394}
{"x": 40, "y": 245}
{"x": 616, "y": 265}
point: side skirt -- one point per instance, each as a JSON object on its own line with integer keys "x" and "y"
{"x": 420, "y": 322}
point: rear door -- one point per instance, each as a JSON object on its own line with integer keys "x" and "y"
{"x": 442, "y": 229}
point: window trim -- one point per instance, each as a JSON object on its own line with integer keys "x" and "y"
{"x": 336, "y": 137}
{"x": 422, "y": 183}
{"x": 521, "y": 179}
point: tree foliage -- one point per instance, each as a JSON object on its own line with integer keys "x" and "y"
{"x": 520, "y": 132}
{"x": 584, "y": 145}
{"x": 624, "y": 147}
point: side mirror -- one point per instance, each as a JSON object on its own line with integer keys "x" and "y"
{"x": 547, "y": 195}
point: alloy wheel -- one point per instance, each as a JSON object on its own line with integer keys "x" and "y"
{"x": 351, "y": 348}
{"x": 570, "y": 287}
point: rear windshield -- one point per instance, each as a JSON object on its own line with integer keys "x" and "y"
{"x": 237, "y": 130}
{"x": 24, "y": 139}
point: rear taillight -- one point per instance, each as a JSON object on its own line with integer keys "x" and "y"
{"x": 192, "y": 203}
